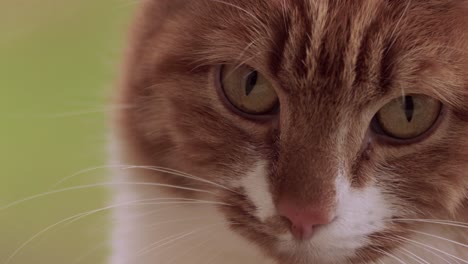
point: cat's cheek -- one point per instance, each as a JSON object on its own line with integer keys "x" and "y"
{"x": 257, "y": 188}
{"x": 361, "y": 211}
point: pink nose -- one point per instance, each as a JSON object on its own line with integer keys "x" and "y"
{"x": 303, "y": 220}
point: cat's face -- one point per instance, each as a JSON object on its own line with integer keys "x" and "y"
{"x": 325, "y": 121}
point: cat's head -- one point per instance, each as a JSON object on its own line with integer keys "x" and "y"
{"x": 329, "y": 124}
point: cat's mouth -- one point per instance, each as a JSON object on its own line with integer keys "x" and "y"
{"x": 331, "y": 243}
{"x": 273, "y": 235}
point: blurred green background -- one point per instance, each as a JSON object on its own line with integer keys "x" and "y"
{"x": 58, "y": 62}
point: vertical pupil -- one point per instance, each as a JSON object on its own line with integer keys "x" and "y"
{"x": 251, "y": 82}
{"x": 409, "y": 108}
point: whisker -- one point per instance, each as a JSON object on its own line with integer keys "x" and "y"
{"x": 433, "y": 253}
{"x": 433, "y": 248}
{"x": 389, "y": 255}
{"x": 171, "y": 239}
{"x": 153, "y": 168}
{"x": 182, "y": 174}
{"x": 81, "y": 187}
{"x": 439, "y": 237}
{"x": 260, "y": 23}
{"x": 78, "y": 113}
{"x": 168, "y": 238}
{"x": 412, "y": 256}
{"x": 397, "y": 26}
{"x": 105, "y": 243}
{"x": 159, "y": 210}
{"x": 186, "y": 252}
{"x": 60, "y": 182}
{"x": 87, "y": 213}
{"x": 170, "y": 201}
{"x": 176, "y": 221}
{"x": 433, "y": 221}
{"x": 241, "y": 55}
{"x": 418, "y": 246}
{"x": 248, "y": 59}
{"x": 239, "y": 59}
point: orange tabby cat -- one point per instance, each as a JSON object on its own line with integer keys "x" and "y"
{"x": 294, "y": 131}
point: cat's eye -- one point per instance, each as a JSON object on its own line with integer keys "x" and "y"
{"x": 248, "y": 90}
{"x": 408, "y": 117}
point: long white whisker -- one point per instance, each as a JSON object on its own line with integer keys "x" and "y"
{"x": 60, "y": 182}
{"x": 159, "y": 210}
{"x": 413, "y": 256}
{"x": 433, "y": 253}
{"x": 433, "y": 248}
{"x": 432, "y": 221}
{"x": 186, "y": 252}
{"x": 95, "y": 110}
{"x": 416, "y": 256}
{"x": 153, "y": 168}
{"x": 182, "y": 174}
{"x": 81, "y": 187}
{"x": 176, "y": 221}
{"x": 170, "y": 201}
{"x": 389, "y": 255}
{"x": 159, "y": 242}
{"x": 439, "y": 237}
{"x": 85, "y": 214}
{"x": 418, "y": 246}
{"x": 165, "y": 241}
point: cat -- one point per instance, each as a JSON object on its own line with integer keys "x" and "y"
{"x": 293, "y": 131}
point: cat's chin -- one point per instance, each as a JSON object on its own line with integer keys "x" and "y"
{"x": 323, "y": 248}
{"x": 292, "y": 251}
{"x": 287, "y": 252}
{"x": 305, "y": 253}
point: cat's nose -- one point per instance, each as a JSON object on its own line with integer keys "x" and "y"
{"x": 304, "y": 220}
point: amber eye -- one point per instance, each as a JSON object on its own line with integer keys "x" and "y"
{"x": 248, "y": 90}
{"x": 409, "y": 117}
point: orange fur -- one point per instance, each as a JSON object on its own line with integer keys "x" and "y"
{"x": 334, "y": 64}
